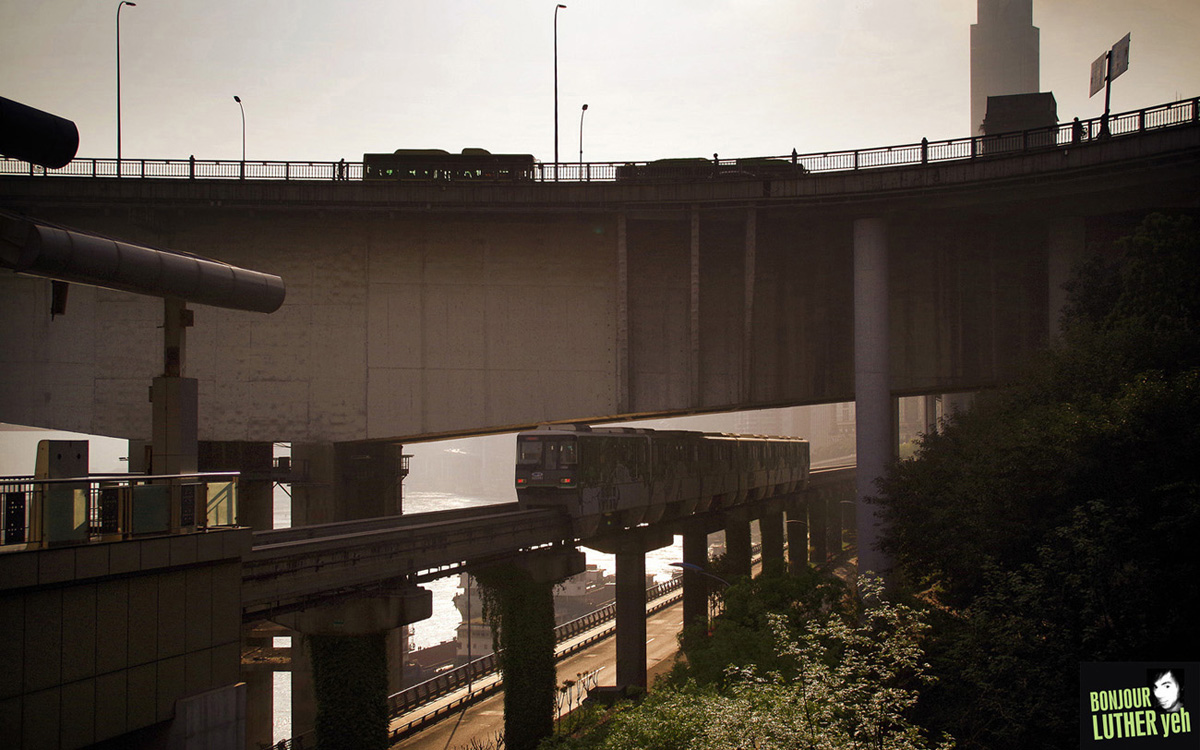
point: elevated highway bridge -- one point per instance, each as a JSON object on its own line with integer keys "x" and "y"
{"x": 423, "y": 310}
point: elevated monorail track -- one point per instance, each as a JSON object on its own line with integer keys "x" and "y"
{"x": 292, "y": 569}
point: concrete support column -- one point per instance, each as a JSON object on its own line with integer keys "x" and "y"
{"x": 1066, "y": 246}
{"x": 340, "y": 667}
{"x": 174, "y": 399}
{"x": 260, "y": 707}
{"x": 770, "y": 526}
{"x": 346, "y": 481}
{"x": 818, "y": 528}
{"x": 255, "y": 498}
{"x": 630, "y": 547}
{"x": 313, "y": 499}
{"x": 931, "y": 414}
{"x": 350, "y": 679}
{"x": 623, "y": 372}
{"x": 738, "y": 555}
{"x": 631, "y": 613}
{"x": 304, "y": 695}
{"x": 874, "y": 406}
{"x": 369, "y": 479}
{"x": 749, "y": 275}
{"x": 694, "y": 358}
{"x": 797, "y": 533}
{"x": 695, "y": 589}
{"x": 524, "y": 591}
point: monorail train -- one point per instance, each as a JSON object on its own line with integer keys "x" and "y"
{"x": 436, "y": 164}
{"x": 609, "y": 476}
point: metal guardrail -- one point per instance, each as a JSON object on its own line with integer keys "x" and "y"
{"x": 453, "y": 679}
{"x": 1174, "y": 114}
{"x": 40, "y": 513}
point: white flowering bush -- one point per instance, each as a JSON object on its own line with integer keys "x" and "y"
{"x": 855, "y": 685}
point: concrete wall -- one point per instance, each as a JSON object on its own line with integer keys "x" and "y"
{"x": 409, "y": 325}
{"x": 103, "y": 639}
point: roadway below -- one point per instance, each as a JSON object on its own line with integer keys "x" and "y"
{"x": 483, "y": 720}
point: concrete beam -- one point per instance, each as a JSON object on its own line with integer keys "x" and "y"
{"x": 364, "y": 616}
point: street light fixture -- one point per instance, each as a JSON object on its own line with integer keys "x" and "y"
{"x": 238, "y": 99}
{"x": 119, "y": 5}
{"x": 556, "y": 8}
{"x": 698, "y": 569}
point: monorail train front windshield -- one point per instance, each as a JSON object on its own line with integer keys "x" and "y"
{"x": 546, "y": 461}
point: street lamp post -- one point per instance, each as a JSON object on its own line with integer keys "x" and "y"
{"x": 556, "y": 7}
{"x": 238, "y": 99}
{"x": 582, "y": 112}
{"x": 699, "y": 570}
{"x": 119, "y": 5}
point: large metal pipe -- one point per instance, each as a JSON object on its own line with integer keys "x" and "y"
{"x": 35, "y": 136}
{"x": 72, "y": 256}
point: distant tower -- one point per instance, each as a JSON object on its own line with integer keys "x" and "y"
{"x": 1004, "y": 54}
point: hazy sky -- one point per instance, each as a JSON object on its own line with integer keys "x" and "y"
{"x": 330, "y": 80}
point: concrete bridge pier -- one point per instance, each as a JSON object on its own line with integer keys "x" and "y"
{"x": 874, "y": 406}
{"x": 523, "y": 591}
{"x": 695, "y": 552}
{"x": 255, "y": 499}
{"x": 797, "y": 532}
{"x": 347, "y": 481}
{"x": 818, "y": 524}
{"x": 737, "y": 542}
{"x": 630, "y": 547}
{"x": 340, "y": 665}
{"x": 770, "y": 527}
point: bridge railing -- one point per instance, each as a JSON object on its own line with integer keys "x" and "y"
{"x": 453, "y": 679}
{"x": 1173, "y": 114}
{"x": 46, "y": 512}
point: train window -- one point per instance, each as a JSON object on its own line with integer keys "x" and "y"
{"x": 530, "y": 452}
{"x": 560, "y": 454}
{"x": 568, "y": 453}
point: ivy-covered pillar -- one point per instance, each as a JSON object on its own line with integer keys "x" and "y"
{"x": 519, "y": 605}
{"x": 350, "y": 682}
{"x": 346, "y": 645}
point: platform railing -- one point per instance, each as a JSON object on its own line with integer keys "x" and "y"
{"x": 38, "y": 513}
{"x": 1184, "y": 112}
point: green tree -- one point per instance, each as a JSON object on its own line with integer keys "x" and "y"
{"x": 836, "y": 682}
{"x": 743, "y": 635}
{"x": 1055, "y": 522}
